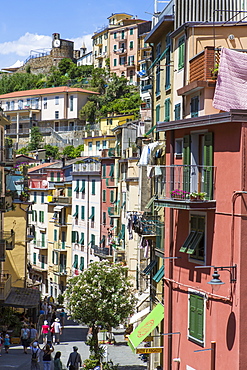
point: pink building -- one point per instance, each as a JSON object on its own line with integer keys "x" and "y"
{"x": 124, "y": 44}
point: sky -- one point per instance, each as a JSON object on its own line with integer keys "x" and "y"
{"x": 26, "y": 25}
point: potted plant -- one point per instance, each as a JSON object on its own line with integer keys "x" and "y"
{"x": 24, "y": 196}
{"x": 197, "y": 195}
{"x": 179, "y": 194}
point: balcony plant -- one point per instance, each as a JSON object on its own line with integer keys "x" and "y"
{"x": 197, "y": 195}
{"x": 24, "y": 196}
{"x": 179, "y": 194}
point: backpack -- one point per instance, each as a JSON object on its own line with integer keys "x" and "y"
{"x": 25, "y": 334}
{"x": 35, "y": 356}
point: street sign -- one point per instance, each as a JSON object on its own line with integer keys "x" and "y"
{"x": 149, "y": 350}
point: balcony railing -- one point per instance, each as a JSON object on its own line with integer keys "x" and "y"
{"x": 60, "y": 269}
{"x": 40, "y": 244}
{"x": 102, "y": 251}
{"x": 86, "y": 167}
{"x": 189, "y": 184}
{"x": 5, "y": 285}
{"x": 59, "y": 245}
{"x": 148, "y": 225}
{"x": 62, "y": 200}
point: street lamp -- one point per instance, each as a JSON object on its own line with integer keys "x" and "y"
{"x": 215, "y": 281}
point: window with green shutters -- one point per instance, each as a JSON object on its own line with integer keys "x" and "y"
{"x": 91, "y": 217}
{"x": 83, "y": 186}
{"x": 115, "y": 35}
{"x": 131, "y": 31}
{"x": 93, "y": 187}
{"x": 41, "y": 216}
{"x": 131, "y": 44}
{"x": 181, "y": 49}
{"x": 77, "y": 185}
{"x": 82, "y": 263}
{"x": 112, "y": 196}
{"x": 122, "y": 34}
{"x": 34, "y": 258}
{"x": 194, "y": 244}
{"x": 69, "y": 192}
{"x": 81, "y": 241}
{"x": 157, "y": 113}
{"x": 104, "y": 218}
{"x": 34, "y": 239}
{"x": 114, "y": 62}
{"x": 43, "y": 240}
{"x": 177, "y": 111}
{"x": 55, "y": 235}
{"x": 167, "y": 109}
{"x": 196, "y": 318}
{"x": 52, "y": 176}
{"x": 82, "y": 212}
{"x": 111, "y": 173}
{"x": 75, "y": 264}
{"x": 75, "y": 237}
{"x": 58, "y": 176}
{"x": 76, "y": 211}
{"x": 35, "y": 196}
{"x": 104, "y": 196}
{"x": 208, "y": 165}
{"x": 104, "y": 171}
{"x": 92, "y": 240}
{"x": 194, "y": 106}
{"x": 42, "y": 197}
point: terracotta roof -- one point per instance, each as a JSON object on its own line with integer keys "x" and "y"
{"x": 43, "y": 165}
{"x": 50, "y": 90}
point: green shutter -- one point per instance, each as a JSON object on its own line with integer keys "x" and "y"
{"x": 111, "y": 173}
{"x": 82, "y": 212}
{"x": 186, "y": 163}
{"x": 55, "y": 235}
{"x": 196, "y": 317}
{"x": 69, "y": 192}
{"x": 181, "y": 49}
{"x": 34, "y": 258}
{"x": 157, "y": 113}
{"x": 76, "y": 211}
{"x": 58, "y": 176}
{"x": 208, "y": 163}
{"x": 83, "y": 186}
{"x": 82, "y": 264}
{"x": 73, "y": 236}
{"x": 82, "y": 239}
{"x": 43, "y": 239}
{"x": 77, "y": 186}
{"x": 93, "y": 187}
{"x": 103, "y": 170}
{"x": 104, "y": 196}
{"x": 53, "y": 257}
{"x": 75, "y": 264}
{"x": 112, "y": 196}
{"x": 167, "y": 110}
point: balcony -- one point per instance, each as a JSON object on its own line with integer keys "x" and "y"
{"x": 148, "y": 225}
{"x": 5, "y": 285}
{"x": 146, "y": 87}
{"x": 62, "y": 200}
{"x": 7, "y": 242}
{"x": 185, "y": 187}
{"x": 39, "y": 244}
{"x": 59, "y": 246}
{"x": 60, "y": 269}
{"x": 86, "y": 167}
{"x": 120, "y": 51}
{"x": 114, "y": 211}
{"x": 102, "y": 251}
{"x": 7, "y": 156}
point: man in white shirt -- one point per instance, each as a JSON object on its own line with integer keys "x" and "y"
{"x": 57, "y": 330}
{"x": 35, "y": 356}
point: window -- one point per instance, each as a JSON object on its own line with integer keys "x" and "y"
{"x": 41, "y": 216}
{"x": 82, "y": 263}
{"x": 42, "y": 197}
{"x": 104, "y": 142}
{"x": 111, "y": 173}
{"x": 82, "y": 239}
{"x": 194, "y": 244}
{"x": 69, "y": 192}
{"x": 177, "y": 111}
{"x": 83, "y": 186}
{"x": 90, "y": 145}
{"x": 179, "y": 148}
{"x": 157, "y": 113}
{"x": 181, "y": 44}
{"x": 82, "y": 212}
{"x": 103, "y": 171}
{"x": 194, "y": 106}
{"x": 112, "y": 196}
{"x": 34, "y": 258}
{"x": 52, "y": 176}
{"x": 92, "y": 239}
{"x": 93, "y": 187}
{"x": 122, "y": 61}
{"x": 104, "y": 218}
{"x": 45, "y": 103}
{"x": 43, "y": 240}
{"x": 76, "y": 211}
{"x": 196, "y": 318}
{"x": 131, "y": 31}
{"x": 56, "y": 114}
{"x": 168, "y": 63}
{"x": 55, "y": 235}
{"x": 75, "y": 264}
{"x": 131, "y": 44}
{"x": 115, "y": 62}
{"x": 97, "y": 145}
{"x": 75, "y": 237}
{"x": 35, "y": 197}
{"x": 56, "y": 100}
{"x": 167, "y": 110}
{"x": 115, "y": 35}
{"x": 122, "y": 34}
{"x": 104, "y": 196}
{"x": 91, "y": 217}
{"x": 71, "y": 103}
{"x": 58, "y": 176}
{"x": 77, "y": 185}
{"x": 12, "y": 105}
{"x": 131, "y": 60}
{"x": 114, "y": 47}
{"x": 20, "y": 104}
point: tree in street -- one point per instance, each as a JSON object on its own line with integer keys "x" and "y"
{"x": 100, "y": 297}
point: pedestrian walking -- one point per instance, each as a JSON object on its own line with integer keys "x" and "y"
{"x": 44, "y": 331}
{"x": 35, "y": 355}
{"x": 57, "y": 361}
{"x": 62, "y": 317}
{"x": 6, "y": 343}
{"x": 74, "y": 361}
{"x": 47, "y": 351}
{"x": 25, "y": 335}
{"x": 1, "y": 343}
{"x": 57, "y": 331}
{"x": 33, "y": 333}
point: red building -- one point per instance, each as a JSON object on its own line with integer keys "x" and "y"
{"x": 204, "y": 198}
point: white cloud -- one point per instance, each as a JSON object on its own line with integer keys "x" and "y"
{"x": 23, "y": 46}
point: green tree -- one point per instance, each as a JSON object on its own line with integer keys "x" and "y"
{"x": 52, "y": 151}
{"x": 88, "y": 111}
{"x": 36, "y": 139}
{"x": 69, "y": 151}
{"x": 102, "y": 296}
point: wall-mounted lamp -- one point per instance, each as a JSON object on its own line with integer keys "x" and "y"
{"x": 215, "y": 281}
{"x": 231, "y": 37}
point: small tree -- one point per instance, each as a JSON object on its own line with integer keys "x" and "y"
{"x": 100, "y": 297}
{"x": 36, "y": 139}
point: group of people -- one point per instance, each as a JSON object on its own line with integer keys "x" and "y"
{"x": 43, "y": 355}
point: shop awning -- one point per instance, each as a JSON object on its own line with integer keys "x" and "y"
{"x": 159, "y": 274}
{"x": 58, "y": 208}
{"x": 137, "y": 316}
{"x": 23, "y": 298}
{"x": 146, "y": 326}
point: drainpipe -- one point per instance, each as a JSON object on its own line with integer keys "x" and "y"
{"x": 185, "y": 68}
{"x": 170, "y": 268}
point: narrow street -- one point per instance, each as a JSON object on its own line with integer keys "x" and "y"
{"x": 74, "y": 334}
